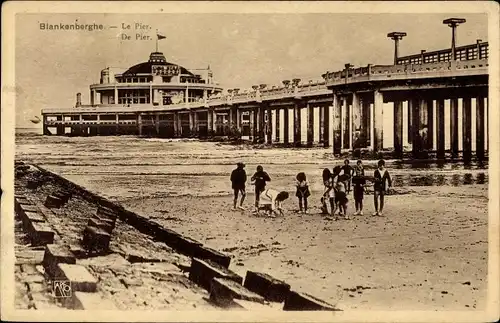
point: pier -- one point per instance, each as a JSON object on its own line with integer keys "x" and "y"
{"x": 343, "y": 112}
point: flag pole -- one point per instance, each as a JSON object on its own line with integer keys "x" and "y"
{"x": 156, "y": 40}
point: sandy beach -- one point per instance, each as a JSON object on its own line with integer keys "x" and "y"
{"x": 428, "y": 252}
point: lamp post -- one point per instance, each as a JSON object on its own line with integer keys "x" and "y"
{"x": 348, "y": 66}
{"x": 453, "y": 24}
{"x": 396, "y": 36}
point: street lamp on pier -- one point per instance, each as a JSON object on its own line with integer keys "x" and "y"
{"x": 396, "y": 36}
{"x": 453, "y": 23}
{"x": 348, "y": 66}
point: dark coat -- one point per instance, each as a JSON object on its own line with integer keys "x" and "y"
{"x": 238, "y": 178}
{"x": 260, "y": 179}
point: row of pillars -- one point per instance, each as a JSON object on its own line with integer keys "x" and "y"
{"x": 421, "y": 127}
{"x": 357, "y": 122}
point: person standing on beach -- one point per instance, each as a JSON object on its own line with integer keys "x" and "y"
{"x": 358, "y": 182}
{"x": 329, "y": 192}
{"x": 382, "y": 177}
{"x": 259, "y": 179}
{"x": 238, "y": 181}
{"x": 302, "y": 191}
{"x": 341, "y": 195}
{"x": 348, "y": 170}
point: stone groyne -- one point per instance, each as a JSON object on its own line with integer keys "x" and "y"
{"x": 78, "y": 250}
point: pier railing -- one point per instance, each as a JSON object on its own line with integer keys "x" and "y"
{"x": 367, "y": 73}
{"x": 462, "y": 53}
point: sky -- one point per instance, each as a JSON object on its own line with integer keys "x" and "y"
{"x": 241, "y": 49}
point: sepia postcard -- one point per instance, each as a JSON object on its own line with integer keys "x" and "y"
{"x": 250, "y": 161}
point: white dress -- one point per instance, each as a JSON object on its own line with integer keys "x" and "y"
{"x": 268, "y": 198}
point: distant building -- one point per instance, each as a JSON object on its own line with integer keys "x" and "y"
{"x": 155, "y": 82}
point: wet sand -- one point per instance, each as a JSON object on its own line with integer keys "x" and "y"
{"x": 428, "y": 252}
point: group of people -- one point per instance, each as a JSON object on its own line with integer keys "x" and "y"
{"x": 337, "y": 186}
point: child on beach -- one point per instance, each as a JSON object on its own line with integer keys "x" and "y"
{"x": 259, "y": 179}
{"x": 382, "y": 177}
{"x": 358, "y": 182}
{"x": 329, "y": 192}
{"x": 341, "y": 195}
{"x": 347, "y": 171}
{"x": 302, "y": 191}
{"x": 271, "y": 201}
{"x": 238, "y": 180}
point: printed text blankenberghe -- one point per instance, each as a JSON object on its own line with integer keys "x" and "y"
{"x": 74, "y": 26}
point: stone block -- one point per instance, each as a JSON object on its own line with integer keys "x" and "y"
{"x": 104, "y": 219}
{"x": 270, "y": 288}
{"x": 155, "y": 228}
{"x": 40, "y": 234}
{"x": 63, "y": 195}
{"x": 22, "y": 200}
{"x": 186, "y": 245}
{"x": 203, "y": 271}
{"x": 33, "y": 184}
{"x": 77, "y": 251}
{"x": 89, "y": 301}
{"x": 81, "y": 279}
{"x": 53, "y": 202}
{"x": 23, "y": 208}
{"x": 304, "y": 302}
{"x": 95, "y": 239}
{"x": 111, "y": 214}
{"x": 223, "y": 291}
{"x": 169, "y": 237}
{"x": 54, "y": 255}
{"x": 101, "y": 225}
{"x": 204, "y": 252}
{"x": 17, "y": 204}
{"x": 30, "y": 217}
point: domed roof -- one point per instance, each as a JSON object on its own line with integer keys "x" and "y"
{"x": 156, "y": 58}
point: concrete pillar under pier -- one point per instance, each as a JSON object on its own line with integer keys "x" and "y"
{"x": 467, "y": 128}
{"x": 366, "y": 122}
{"x": 191, "y": 124}
{"x": 310, "y": 125}
{"x": 157, "y": 124}
{"x": 269, "y": 125}
{"x": 480, "y": 128}
{"x": 440, "y": 130}
{"x": 286, "y": 128}
{"x": 409, "y": 121}
{"x": 337, "y": 124}
{"x": 235, "y": 120}
{"x": 277, "y": 127}
{"x": 454, "y": 127}
{"x": 326, "y": 125}
{"x": 378, "y": 121}
{"x": 430, "y": 125}
{"x": 357, "y": 124}
{"x": 424, "y": 106}
{"x": 139, "y": 124}
{"x": 413, "y": 106}
{"x": 398, "y": 128}
{"x": 196, "y": 124}
{"x": 321, "y": 125}
{"x": 346, "y": 128}
{"x": 255, "y": 124}
{"x": 261, "y": 126}
{"x": 297, "y": 140}
{"x": 176, "y": 125}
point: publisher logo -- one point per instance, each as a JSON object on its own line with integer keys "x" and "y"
{"x": 61, "y": 288}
